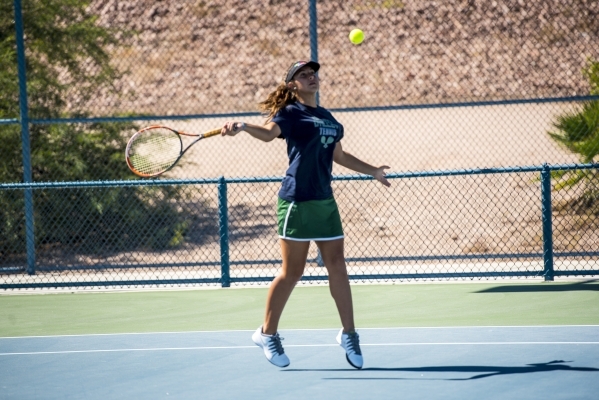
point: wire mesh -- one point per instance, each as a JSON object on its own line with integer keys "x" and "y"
{"x": 441, "y": 226}
{"x": 576, "y": 221}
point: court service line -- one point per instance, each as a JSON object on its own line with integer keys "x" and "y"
{"x": 288, "y": 346}
{"x": 300, "y": 330}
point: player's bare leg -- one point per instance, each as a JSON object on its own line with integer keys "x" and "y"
{"x": 334, "y": 260}
{"x": 266, "y": 336}
{"x": 294, "y": 255}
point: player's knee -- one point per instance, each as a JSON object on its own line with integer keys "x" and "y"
{"x": 335, "y": 259}
{"x": 337, "y": 267}
{"x": 292, "y": 277}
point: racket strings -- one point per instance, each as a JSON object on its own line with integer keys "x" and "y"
{"x": 155, "y": 151}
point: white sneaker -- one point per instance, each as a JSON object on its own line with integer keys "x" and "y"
{"x": 351, "y": 343}
{"x": 273, "y": 349}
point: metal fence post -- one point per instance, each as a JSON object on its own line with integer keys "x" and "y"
{"x": 547, "y": 223}
{"x": 26, "y": 150}
{"x": 314, "y": 37}
{"x": 223, "y": 223}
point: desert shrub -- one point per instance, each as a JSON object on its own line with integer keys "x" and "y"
{"x": 67, "y": 58}
{"x": 577, "y": 131}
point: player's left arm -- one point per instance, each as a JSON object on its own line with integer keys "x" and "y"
{"x": 347, "y": 160}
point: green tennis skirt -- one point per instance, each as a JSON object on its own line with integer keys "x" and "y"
{"x": 309, "y": 220}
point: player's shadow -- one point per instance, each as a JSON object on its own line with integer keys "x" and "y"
{"x": 481, "y": 371}
{"x": 590, "y": 285}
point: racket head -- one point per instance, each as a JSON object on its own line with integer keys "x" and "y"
{"x": 153, "y": 150}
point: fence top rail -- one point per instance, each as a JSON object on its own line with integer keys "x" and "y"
{"x": 223, "y": 180}
{"x": 131, "y": 118}
{"x": 537, "y": 100}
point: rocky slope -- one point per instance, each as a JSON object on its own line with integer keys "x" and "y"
{"x": 219, "y": 56}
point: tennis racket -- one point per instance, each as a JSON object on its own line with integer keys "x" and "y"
{"x": 156, "y": 149}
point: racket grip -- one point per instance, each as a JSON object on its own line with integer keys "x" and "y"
{"x": 213, "y": 132}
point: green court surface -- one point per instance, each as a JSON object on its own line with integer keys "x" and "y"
{"x": 399, "y": 305}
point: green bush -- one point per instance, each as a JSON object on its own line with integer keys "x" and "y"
{"x": 578, "y": 132}
{"x": 67, "y": 57}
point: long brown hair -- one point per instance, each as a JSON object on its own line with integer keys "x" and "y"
{"x": 277, "y": 100}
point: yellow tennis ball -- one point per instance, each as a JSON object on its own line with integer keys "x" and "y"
{"x": 356, "y": 36}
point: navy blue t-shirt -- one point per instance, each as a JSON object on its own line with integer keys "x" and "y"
{"x": 311, "y": 134}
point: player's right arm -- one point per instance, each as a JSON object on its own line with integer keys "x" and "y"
{"x": 266, "y": 132}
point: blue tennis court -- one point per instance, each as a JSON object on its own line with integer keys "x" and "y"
{"x": 449, "y": 362}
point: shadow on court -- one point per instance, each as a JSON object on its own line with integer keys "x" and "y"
{"x": 591, "y": 285}
{"x": 482, "y": 370}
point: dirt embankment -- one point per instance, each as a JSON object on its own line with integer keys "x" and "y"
{"x": 215, "y": 56}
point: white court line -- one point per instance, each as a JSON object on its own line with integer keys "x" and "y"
{"x": 304, "y": 329}
{"x": 293, "y": 345}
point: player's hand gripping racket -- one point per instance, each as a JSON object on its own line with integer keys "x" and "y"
{"x": 156, "y": 149}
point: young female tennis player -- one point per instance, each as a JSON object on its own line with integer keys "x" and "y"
{"x": 306, "y": 209}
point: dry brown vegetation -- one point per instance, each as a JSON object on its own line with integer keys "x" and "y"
{"x": 204, "y": 56}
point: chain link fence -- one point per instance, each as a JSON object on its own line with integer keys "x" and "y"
{"x": 454, "y": 87}
{"x": 468, "y": 224}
